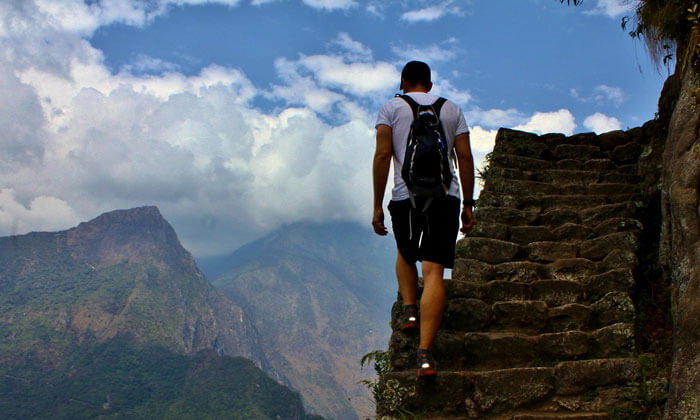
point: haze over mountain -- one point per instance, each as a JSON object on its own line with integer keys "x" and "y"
{"x": 113, "y": 318}
{"x": 320, "y": 297}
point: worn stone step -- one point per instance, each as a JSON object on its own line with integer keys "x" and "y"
{"x": 596, "y": 215}
{"x": 506, "y": 160}
{"x": 554, "y": 176}
{"x": 486, "y": 249}
{"x": 617, "y": 224}
{"x": 577, "y": 151}
{"x": 471, "y": 315}
{"x": 521, "y": 271}
{"x": 561, "y": 416}
{"x": 566, "y": 386}
{"x": 598, "y": 248}
{"x": 549, "y": 251}
{"x": 578, "y": 200}
{"x": 506, "y": 215}
{"x": 520, "y": 187}
{"x": 572, "y": 269}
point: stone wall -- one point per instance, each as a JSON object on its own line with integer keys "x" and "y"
{"x": 540, "y": 316}
{"x": 681, "y": 231}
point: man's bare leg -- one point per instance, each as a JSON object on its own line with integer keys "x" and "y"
{"x": 407, "y": 276}
{"x": 432, "y": 303}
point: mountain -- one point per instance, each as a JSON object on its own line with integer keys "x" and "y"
{"x": 116, "y": 308}
{"x": 320, "y": 297}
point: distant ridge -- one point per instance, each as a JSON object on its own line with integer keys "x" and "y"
{"x": 320, "y": 296}
{"x": 122, "y": 288}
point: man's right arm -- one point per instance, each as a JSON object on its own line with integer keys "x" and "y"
{"x": 380, "y": 175}
{"x": 465, "y": 162}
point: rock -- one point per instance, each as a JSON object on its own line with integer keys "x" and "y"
{"x": 599, "y": 165}
{"x": 627, "y": 153}
{"x": 572, "y": 177}
{"x": 558, "y": 217}
{"x": 572, "y": 231}
{"x": 572, "y": 269}
{"x": 563, "y": 346}
{"x": 529, "y": 315}
{"x": 520, "y": 271}
{"x": 613, "y": 340}
{"x": 575, "y": 151}
{"x": 466, "y": 314}
{"x": 576, "y": 377}
{"x": 490, "y": 230}
{"x": 486, "y": 249}
{"x": 618, "y": 258}
{"x": 612, "y": 139}
{"x": 498, "y": 391}
{"x": 617, "y": 224}
{"x": 504, "y": 160}
{"x": 572, "y": 316}
{"x": 596, "y": 215}
{"x": 527, "y": 234}
{"x": 550, "y": 251}
{"x": 468, "y": 269}
{"x": 505, "y": 215}
{"x": 618, "y": 280}
{"x": 557, "y": 292}
{"x": 613, "y": 307}
{"x": 599, "y": 248}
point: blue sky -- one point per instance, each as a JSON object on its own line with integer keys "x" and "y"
{"x": 238, "y": 116}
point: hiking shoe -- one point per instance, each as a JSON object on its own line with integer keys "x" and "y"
{"x": 426, "y": 364}
{"x": 409, "y": 318}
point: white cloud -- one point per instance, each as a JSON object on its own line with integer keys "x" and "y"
{"x": 495, "y": 117}
{"x": 358, "y": 79}
{"x": 601, "y": 123}
{"x": 147, "y": 64}
{"x": 356, "y": 49}
{"x": 43, "y": 213}
{"x": 431, "y": 13}
{"x": 482, "y": 140}
{"x": 429, "y": 54}
{"x": 444, "y": 88}
{"x": 561, "y": 121}
{"x": 331, "y": 4}
{"x": 609, "y": 93}
{"x": 601, "y": 94}
{"x": 613, "y": 8}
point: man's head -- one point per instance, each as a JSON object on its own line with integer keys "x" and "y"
{"x": 416, "y": 76}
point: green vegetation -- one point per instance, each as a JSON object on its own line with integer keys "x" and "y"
{"x": 118, "y": 380}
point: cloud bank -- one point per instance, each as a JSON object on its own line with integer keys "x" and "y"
{"x": 79, "y": 140}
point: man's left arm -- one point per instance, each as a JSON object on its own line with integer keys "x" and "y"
{"x": 465, "y": 162}
{"x": 380, "y": 174}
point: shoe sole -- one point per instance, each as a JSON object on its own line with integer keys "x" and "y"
{"x": 409, "y": 326}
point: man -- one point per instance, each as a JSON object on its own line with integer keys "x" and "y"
{"x": 427, "y": 235}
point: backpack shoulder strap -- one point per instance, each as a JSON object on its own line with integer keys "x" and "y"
{"x": 412, "y": 103}
{"x": 437, "y": 105}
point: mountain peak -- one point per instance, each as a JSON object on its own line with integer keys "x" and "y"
{"x": 133, "y": 234}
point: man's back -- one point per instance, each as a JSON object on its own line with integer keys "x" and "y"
{"x": 397, "y": 114}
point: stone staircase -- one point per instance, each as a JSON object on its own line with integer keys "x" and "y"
{"x": 539, "y": 320}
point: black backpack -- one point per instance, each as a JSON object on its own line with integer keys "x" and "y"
{"x": 426, "y": 166}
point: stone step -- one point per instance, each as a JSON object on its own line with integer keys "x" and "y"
{"x": 585, "y": 181}
{"x": 567, "y": 287}
{"x": 538, "y": 203}
{"x": 472, "y": 314}
{"x": 561, "y": 416}
{"x": 489, "y": 393}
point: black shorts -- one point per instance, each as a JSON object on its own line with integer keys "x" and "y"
{"x": 429, "y": 236}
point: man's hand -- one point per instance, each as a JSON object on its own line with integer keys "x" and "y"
{"x": 378, "y": 222}
{"x": 467, "y": 219}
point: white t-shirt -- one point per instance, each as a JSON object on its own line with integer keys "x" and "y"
{"x": 397, "y": 114}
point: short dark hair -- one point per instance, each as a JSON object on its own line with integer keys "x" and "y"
{"x": 416, "y": 72}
